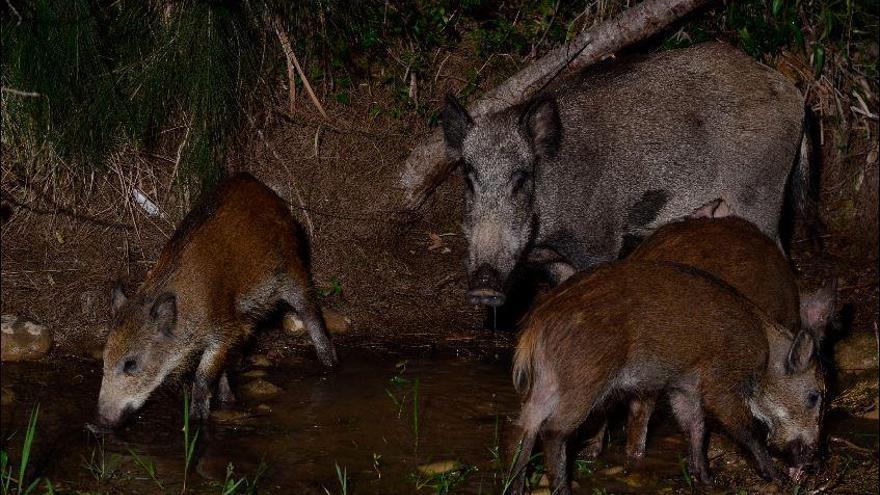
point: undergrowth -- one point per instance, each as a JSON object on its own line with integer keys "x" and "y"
{"x": 83, "y": 79}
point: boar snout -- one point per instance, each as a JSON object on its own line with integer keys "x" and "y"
{"x": 485, "y": 287}
{"x": 110, "y": 415}
{"x": 801, "y": 455}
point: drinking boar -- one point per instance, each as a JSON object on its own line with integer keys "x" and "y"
{"x": 563, "y": 179}
{"x": 237, "y": 256}
{"x": 636, "y": 328}
{"x": 735, "y": 251}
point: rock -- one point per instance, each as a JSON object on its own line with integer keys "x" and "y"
{"x": 856, "y": 353}
{"x": 260, "y": 360}
{"x": 260, "y": 389}
{"x": 257, "y": 373}
{"x": 22, "y": 340}
{"x": 263, "y": 409}
{"x": 335, "y": 322}
{"x": 612, "y": 471}
{"x": 230, "y": 415}
{"x": 439, "y": 467}
{"x": 7, "y": 396}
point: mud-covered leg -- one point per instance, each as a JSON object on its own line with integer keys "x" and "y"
{"x": 596, "y": 442}
{"x": 209, "y": 370}
{"x": 520, "y": 456}
{"x": 640, "y": 411}
{"x": 689, "y": 413}
{"x": 739, "y": 423}
{"x": 301, "y": 298}
{"x": 555, "y": 461}
{"x": 224, "y": 391}
{"x": 747, "y": 437}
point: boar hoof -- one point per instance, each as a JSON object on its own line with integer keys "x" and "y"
{"x": 200, "y": 410}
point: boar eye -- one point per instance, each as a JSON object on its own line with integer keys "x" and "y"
{"x": 519, "y": 179}
{"x": 813, "y": 399}
{"x": 129, "y": 367}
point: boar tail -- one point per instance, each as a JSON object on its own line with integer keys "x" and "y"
{"x": 524, "y": 359}
{"x": 803, "y": 184}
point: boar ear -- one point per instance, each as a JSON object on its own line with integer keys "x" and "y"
{"x": 117, "y": 297}
{"x": 817, "y": 308}
{"x": 543, "y": 126}
{"x": 164, "y": 312}
{"x": 456, "y": 122}
{"x": 802, "y": 349}
{"x": 713, "y": 209}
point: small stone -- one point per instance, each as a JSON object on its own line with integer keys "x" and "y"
{"x": 335, "y": 322}
{"x": 7, "y": 396}
{"x": 263, "y": 409}
{"x": 260, "y": 360}
{"x": 543, "y": 482}
{"x": 256, "y": 373}
{"x": 230, "y": 415}
{"x": 439, "y": 467}
{"x": 260, "y": 389}
{"x": 612, "y": 471}
{"x": 23, "y": 340}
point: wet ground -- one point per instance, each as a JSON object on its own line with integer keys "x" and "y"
{"x": 380, "y": 419}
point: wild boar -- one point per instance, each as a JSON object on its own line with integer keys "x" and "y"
{"x": 236, "y": 257}
{"x": 637, "y": 328}
{"x": 562, "y": 180}
{"x": 735, "y": 251}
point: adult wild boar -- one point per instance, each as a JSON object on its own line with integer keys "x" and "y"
{"x": 637, "y": 328}
{"x": 236, "y": 257}
{"x": 562, "y": 179}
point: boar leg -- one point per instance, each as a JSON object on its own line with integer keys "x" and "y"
{"x": 739, "y": 423}
{"x": 767, "y": 469}
{"x": 689, "y": 413}
{"x": 209, "y": 370}
{"x": 555, "y": 461}
{"x": 521, "y": 456}
{"x": 224, "y": 391}
{"x": 596, "y": 442}
{"x": 640, "y": 411}
{"x": 300, "y": 298}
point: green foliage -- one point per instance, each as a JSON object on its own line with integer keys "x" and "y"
{"x": 7, "y": 480}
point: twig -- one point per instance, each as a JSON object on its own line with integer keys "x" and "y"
{"x": 14, "y": 12}
{"x": 291, "y": 59}
{"x": 18, "y": 92}
{"x": 850, "y": 445}
{"x": 177, "y": 160}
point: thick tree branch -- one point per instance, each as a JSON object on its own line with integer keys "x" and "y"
{"x": 428, "y": 164}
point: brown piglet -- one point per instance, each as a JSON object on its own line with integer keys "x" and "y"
{"x": 236, "y": 257}
{"x": 737, "y": 252}
{"x": 637, "y": 328}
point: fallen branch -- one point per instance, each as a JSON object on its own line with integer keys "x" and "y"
{"x": 18, "y": 92}
{"x": 292, "y": 60}
{"x": 429, "y": 163}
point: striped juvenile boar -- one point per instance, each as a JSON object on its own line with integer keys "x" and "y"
{"x": 638, "y": 328}
{"x": 237, "y": 256}
{"x": 564, "y": 179}
{"x": 735, "y": 251}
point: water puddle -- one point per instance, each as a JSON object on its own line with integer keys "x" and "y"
{"x": 378, "y": 426}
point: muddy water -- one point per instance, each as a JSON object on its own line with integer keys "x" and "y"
{"x": 379, "y": 420}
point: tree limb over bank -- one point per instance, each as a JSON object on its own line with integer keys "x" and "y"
{"x": 429, "y": 163}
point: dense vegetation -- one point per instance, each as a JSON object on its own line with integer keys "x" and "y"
{"x": 84, "y": 78}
